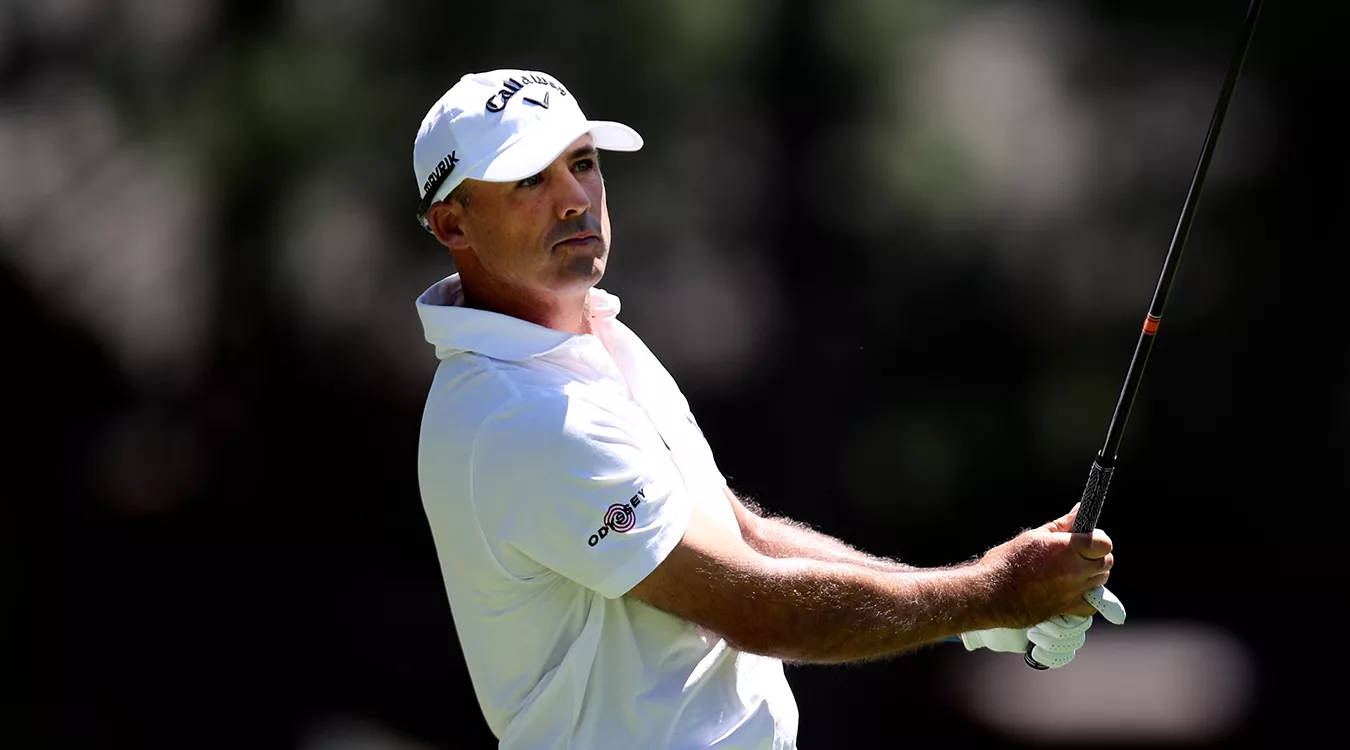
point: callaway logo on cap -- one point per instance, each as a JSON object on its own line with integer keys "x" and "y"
{"x": 502, "y": 126}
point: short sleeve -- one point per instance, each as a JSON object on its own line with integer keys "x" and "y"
{"x": 579, "y": 489}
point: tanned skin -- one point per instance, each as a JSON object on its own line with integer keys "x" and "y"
{"x": 781, "y": 590}
{"x": 533, "y": 249}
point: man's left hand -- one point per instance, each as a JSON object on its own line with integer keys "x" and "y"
{"x": 1057, "y": 639}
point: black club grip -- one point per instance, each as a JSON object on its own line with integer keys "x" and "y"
{"x": 1094, "y": 497}
{"x": 1089, "y": 510}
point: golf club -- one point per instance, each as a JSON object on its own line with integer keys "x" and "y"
{"x": 1104, "y": 465}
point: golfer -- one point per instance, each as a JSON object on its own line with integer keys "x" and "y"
{"x": 609, "y": 590}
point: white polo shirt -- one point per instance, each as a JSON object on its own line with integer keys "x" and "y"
{"x": 557, "y": 471}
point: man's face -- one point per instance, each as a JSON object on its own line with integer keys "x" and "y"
{"x": 547, "y": 234}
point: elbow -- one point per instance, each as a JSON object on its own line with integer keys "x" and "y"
{"x": 784, "y": 648}
{"x": 752, "y": 641}
{"x": 766, "y": 630}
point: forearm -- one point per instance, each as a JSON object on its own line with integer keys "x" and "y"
{"x": 810, "y": 610}
{"x": 803, "y": 609}
{"x": 785, "y": 538}
{"x": 814, "y": 611}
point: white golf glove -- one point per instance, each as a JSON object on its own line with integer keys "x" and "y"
{"x": 1057, "y": 639}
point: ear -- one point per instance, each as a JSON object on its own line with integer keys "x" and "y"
{"x": 446, "y": 219}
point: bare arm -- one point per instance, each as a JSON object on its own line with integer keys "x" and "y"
{"x": 831, "y": 611}
{"x": 783, "y": 537}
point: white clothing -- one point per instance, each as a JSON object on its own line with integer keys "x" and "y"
{"x": 557, "y": 471}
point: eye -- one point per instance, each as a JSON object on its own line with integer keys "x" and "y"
{"x": 529, "y": 181}
{"x": 584, "y": 165}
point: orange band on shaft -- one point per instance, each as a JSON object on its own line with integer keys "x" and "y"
{"x": 1151, "y": 325}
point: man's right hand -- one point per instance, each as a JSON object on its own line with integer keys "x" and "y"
{"x": 1045, "y": 571}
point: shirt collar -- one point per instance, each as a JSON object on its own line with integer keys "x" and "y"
{"x": 451, "y": 327}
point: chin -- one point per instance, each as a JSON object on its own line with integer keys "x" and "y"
{"x": 584, "y": 270}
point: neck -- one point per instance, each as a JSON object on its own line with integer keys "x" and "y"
{"x": 569, "y": 314}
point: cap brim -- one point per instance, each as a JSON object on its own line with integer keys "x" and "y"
{"x": 535, "y": 151}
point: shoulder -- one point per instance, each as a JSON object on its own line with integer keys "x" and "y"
{"x": 548, "y": 426}
{"x": 470, "y": 391}
{"x": 510, "y": 420}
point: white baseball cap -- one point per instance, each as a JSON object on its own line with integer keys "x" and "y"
{"x": 502, "y": 126}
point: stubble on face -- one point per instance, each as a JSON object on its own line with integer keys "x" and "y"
{"x": 548, "y": 233}
{"x": 533, "y": 249}
{"x": 582, "y": 261}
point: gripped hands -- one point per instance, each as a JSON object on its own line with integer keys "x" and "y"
{"x": 1044, "y": 571}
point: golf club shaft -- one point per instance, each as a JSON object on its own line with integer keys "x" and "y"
{"x": 1104, "y": 465}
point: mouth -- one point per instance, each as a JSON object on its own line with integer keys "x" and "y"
{"x": 578, "y": 240}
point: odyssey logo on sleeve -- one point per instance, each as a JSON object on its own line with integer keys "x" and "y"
{"x": 619, "y": 517}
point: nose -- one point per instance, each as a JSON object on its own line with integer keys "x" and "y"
{"x": 572, "y": 199}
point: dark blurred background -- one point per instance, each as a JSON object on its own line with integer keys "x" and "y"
{"x": 896, "y": 253}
